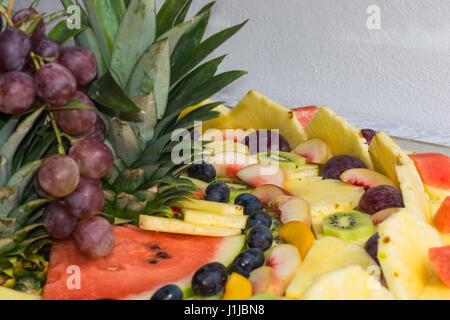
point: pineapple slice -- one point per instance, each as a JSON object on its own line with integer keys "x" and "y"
{"x": 341, "y": 136}
{"x": 326, "y": 255}
{"x": 221, "y": 122}
{"x": 390, "y": 160}
{"x": 210, "y": 206}
{"x": 350, "y": 283}
{"x": 308, "y": 170}
{"x": 255, "y": 111}
{"x": 10, "y": 294}
{"x": 436, "y": 194}
{"x": 158, "y": 224}
{"x": 214, "y": 219}
{"x": 216, "y": 147}
{"x": 403, "y": 254}
{"x": 435, "y": 290}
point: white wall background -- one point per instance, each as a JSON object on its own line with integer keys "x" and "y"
{"x": 303, "y": 52}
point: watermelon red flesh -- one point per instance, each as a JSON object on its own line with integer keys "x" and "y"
{"x": 440, "y": 260}
{"x": 126, "y": 273}
{"x": 442, "y": 217}
{"x": 305, "y": 114}
{"x": 434, "y": 169}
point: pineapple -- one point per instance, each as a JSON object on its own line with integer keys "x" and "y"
{"x": 325, "y": 197}
{"x": 326, "y": 255}
{"x": 308, "y": 170}
{"x": 23, "y": 262}
{"x": 340, "y": 136}
{"x": 435, "y": 290}
{"x": 350, "y": 283}
{"x": 436, "y": 194}
{"x": 148, "y": 77}
{"x": 391, "y": 160}
{"x": 403, "y": 254}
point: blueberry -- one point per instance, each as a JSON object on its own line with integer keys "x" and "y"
{"x": 372, "y": 247}
{"x": 203, "y": 171}
{"x": 209, "y": 279}
{"x": 250, "y": 203}
{"x": 261, "y": 217}
{"x": 260, "y": 237}
{"x": 248, "y": 261}
{"x": 169, "y": 292}
{"x": 218, "y": 192}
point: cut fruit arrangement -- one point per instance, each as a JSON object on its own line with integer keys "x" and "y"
{"x": 269, "y": 203}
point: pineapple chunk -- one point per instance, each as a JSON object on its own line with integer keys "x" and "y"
{"x": 403, "y": 254}
{"x": 350, "y": 283}
{"x": 436, "y": 290}
{"x": 308, "y": 170}
{"x": 210, "y": 206}
{"x": 216, "y": 147}
{"x": 158, "y": 224}
{"x": 436, "y": 194}
{"x": 221, "y": 122}
{"x": 255, "y": 111}
{"x": 214, "y": 219}
{"x": 10, "y": 294}
{"x": 341, "y": 136}
{"x": 390, "y": 160}
{"x": 326, "y": 255}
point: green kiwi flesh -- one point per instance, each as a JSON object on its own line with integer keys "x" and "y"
{"x": 351, "y": 226}
{"x": 236, "y": 187}
{"x": 282, "y": 159}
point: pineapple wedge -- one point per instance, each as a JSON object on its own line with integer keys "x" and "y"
{"x": 390, "y": 160}
{"x": 326, "y": 255}
{"x": 341, "y": 136}
{"x": 216, "y": 147}
{"x": 435, "y": 290}
{"x": 255, "y": 111}
{"x": 350, "y": 283}
{"x": 308, "y": 170}
{"x": 214, "y": 219}
{"x": 403, "y": 254}
{"x": 210, "y": 206}
{"x": 158, "y": 224}
{"x": 10, "y": 294}
{"x": 436, "y": 194}
{"x": 221, "y": 122}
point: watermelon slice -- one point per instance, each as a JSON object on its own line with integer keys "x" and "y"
{"x": 440, "y": 260}
{"x": 134, "y": 270}
{"x": 305, "y": 114}
{"x": 434, "y": 169}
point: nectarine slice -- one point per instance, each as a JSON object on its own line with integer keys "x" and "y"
{"x": 314, "y": 150}
{"x": 366, "y": 178}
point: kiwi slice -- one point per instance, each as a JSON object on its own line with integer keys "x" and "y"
{"x": 282, "y": 159}
{"x": 348, "y": 226}
{"x": 236, "y": 187}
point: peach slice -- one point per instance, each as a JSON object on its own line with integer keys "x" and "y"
{"x": 284, "y": 259}
{"x": 266, "y": 280}
{"x": 237, "y": 287}
{"x": 366, "y": 178}
{"x": 382, "y": 215}
{"x": 314, "y": 150}
{"x": 259, "y": 174}
{"x": 298, "y": 234}
{"x": 227, "y": 164}
{"x": 291, "y": 208}
{"x": 269, "y": 192}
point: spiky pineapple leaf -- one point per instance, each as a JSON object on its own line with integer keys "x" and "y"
{"x": 110, "y": 15}
{"x": 22, "y": 177}
{"x": 62, "y": 34}
{"x": 182, "y": 15}
{"x": 125, "y": 141}
{"x": 152, "y": 74}
{"x": 87, "y": 40}
{"x": 168, "y": 14}
{"x": 136, "y": 33}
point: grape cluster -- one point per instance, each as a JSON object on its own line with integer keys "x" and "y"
{"x": 38, "y": 68}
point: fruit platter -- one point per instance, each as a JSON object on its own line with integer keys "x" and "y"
{"x": 121, "y": 179}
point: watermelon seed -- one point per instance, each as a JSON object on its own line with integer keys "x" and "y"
{"x": 153, "y": 261}
{"x": 154, "y": 247}
{"x": 163, "y": 255}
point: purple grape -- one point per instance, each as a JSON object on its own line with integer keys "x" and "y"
{"x": 23, "y": 15}
{"x": 97, "y": 132}
{"x": 59, "y": 176}
{"x": 47, "y": 48}
{"x": 81, "y": 62}
{"x": 17, "y": 93}
{"x": 77, "y": 122}
{"x": 368, "y": 134}
{"x": 339, "y": 164}
{"x": 379, "y": 198}
{"x": 94, "y": 158}
{"x": 55, "y": 85}
{"x": 266, "y": 141}
{"x": 60, "y": 224}
{"x": 95, "y": 237}
{"x": 87, "y": 200}
{"x": 371, "y": 247}
{"x": 15, "y": 48}
{"x": 40, "y": 192}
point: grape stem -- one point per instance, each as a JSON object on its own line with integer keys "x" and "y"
{"x": 10, "y": 6}
{"x": 71, "y": 139}
{"x": 57, "y": 134}
{"x": 7, "y": 17}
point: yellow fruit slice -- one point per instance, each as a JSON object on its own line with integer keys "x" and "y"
{"x": 255, "y": 111}
{"x": 435, "y": 290}
{"x": 436, "y": 194}
{"x": 210, "y": 206}
{"x": 390, "y": 160}
{"x": 350, "y": 283}
{"x": 308, "y": 170}
{"x": 403, "y": 254}
{"x": 216, "y": 147}
{"x": 159, "y": 224}
{"x": 237, "y": 287}
{"x": 340, "y": 136}
{"x": 326, "y": 255}
{"x": 298, "y": 234}
{"x": 214, "y": 219}
{"x": 10, "y": 294}
{"x": 221, "y": 122}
